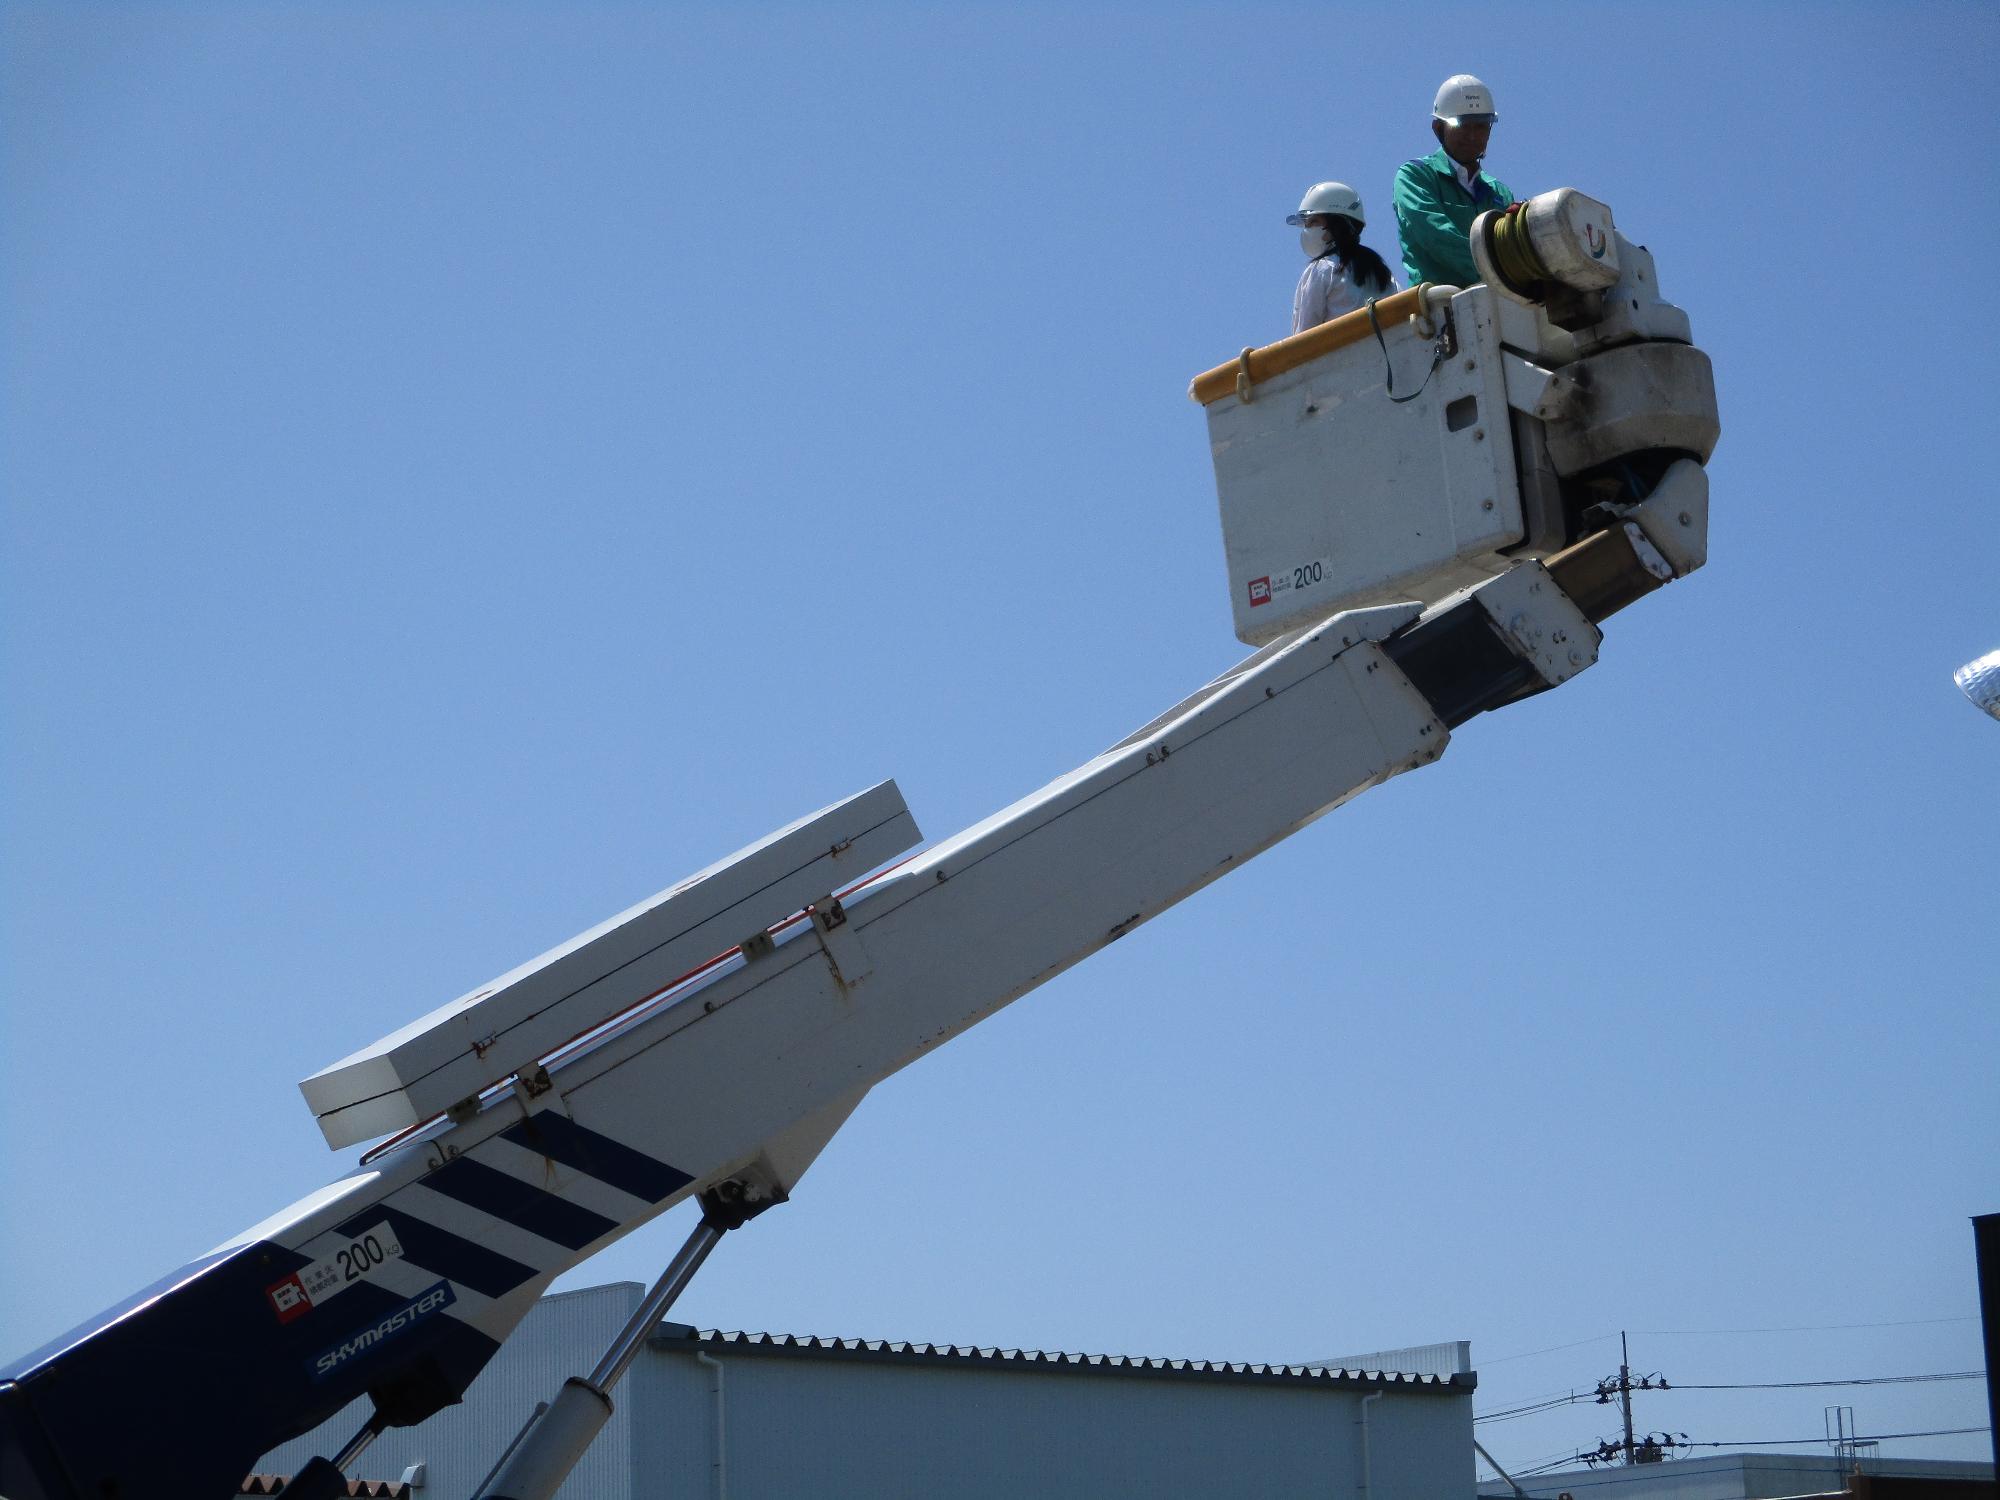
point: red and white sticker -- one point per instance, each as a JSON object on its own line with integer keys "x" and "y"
{"x": 1303, "y": 575}
{"x": 356, "y": 1260}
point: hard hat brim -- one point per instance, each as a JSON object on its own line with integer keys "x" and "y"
{"x": 1298, "y": 220}
{"x": 1457, "y": 120}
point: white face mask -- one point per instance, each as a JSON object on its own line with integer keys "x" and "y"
{"x": 1315, "y": 241}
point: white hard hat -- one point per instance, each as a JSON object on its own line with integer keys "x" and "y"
{"x": 1329, "y": 198}
{"x": 1462, "y": 97}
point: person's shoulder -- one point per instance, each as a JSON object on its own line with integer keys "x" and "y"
{"x": 1419, "y": 170}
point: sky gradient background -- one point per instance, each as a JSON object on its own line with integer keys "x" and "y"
{"x": 465, "y": 468}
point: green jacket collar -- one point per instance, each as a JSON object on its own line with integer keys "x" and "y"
{"x": 1439, "y": 162}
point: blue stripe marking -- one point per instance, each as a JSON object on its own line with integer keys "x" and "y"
{"x": 518, "y": 1202}
{"x": 447, "y": 1254}
{"x": 555, "y": 1135}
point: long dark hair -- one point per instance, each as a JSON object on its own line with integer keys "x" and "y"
{"x": 1369, "y": 269}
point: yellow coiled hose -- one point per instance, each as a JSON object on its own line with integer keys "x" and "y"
{"x": 1514, "y": 254}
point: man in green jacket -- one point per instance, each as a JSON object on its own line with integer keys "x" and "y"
{"x": 1438, "y": 196}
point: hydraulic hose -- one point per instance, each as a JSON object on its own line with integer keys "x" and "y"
{"x": 1514, "y": 255}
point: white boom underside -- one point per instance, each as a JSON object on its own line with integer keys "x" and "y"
{"x": 749, "y": 1072}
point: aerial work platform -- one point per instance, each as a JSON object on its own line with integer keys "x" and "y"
{"x": 1429, "y": 509}
{"x": 1421, "y": 445}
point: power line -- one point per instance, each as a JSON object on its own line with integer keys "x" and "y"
{"x": 1803, "y": 1327}
{"x": 1543, "y": 1465}
{"x": 1551, "y": 1467}
{"x": 1528, "y": 1409}
{"x": 1799, "y": 1385}
{"x": 1554, "y": 1399}
{"x": 1595, "y": 1338}
{"x": 1865, "y": 1437}
{"x": 1547, "y": 1395}
{"x": 1598, "y": 1338}
{"x": 1623, "y": 1385}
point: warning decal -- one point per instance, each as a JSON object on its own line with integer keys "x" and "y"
{"x": 1299, "y": 576}
{"x": 326, "y": 1278}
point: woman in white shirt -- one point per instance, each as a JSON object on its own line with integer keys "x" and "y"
{"x": 1341, "y": 273}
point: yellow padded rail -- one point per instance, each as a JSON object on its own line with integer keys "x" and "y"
{"x": 1253, "y": 366}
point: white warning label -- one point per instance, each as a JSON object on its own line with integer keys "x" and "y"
{"x": 329, "y": 1276}
{"x": 1299, "y": 576}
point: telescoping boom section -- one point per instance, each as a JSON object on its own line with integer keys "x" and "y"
{"x": 1428, "y": 514}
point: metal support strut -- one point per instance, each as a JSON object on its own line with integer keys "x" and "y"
{"x": 557, "y": 1443}
{"x": 536, "y": 1467}
{"x": 326, "y": 1478}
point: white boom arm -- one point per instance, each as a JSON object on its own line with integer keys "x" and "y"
{"x": 708, "y": 1043}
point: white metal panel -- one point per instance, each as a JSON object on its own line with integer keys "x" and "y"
{"x": 1675, "y": 516}
{"x": 1543, "y": 623}
{"x": 1633, "y": 309}
{"x": 1525, "y": 329}
{"x": 1333, "y": 495}
{"x": 1655, "y": 394}
{"x": 858, "y": 1429}
{"x": 1446, "y": 1359}
{"x": 953, "y": 937}
{"x": 443, "y": 1057}
{"x": 1574, "y": 235}
{"x": 1527, "y": 385}
{"x": 987, "y": 916}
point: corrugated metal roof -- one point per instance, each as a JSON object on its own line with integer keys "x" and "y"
{"x": 811, "y": 1346}
{"x": 1452, "y": 1358}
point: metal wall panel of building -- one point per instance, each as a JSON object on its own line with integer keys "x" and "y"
{"x": 841, "y": 1429}
{"x": 883, "y": 1422}
{"x": 1447, "y": 1360}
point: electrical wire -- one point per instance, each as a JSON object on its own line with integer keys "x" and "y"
{"x": 1561, "y": 1390}
{"x": 1530, "y": 1409}
{"x": 1800, "y": 1385}
{"x": 1799, "y": 1327}
{"x": 1861, "y": 1437}
{"x": 1552, "y": 1399}
{"x": 1598, "y": 1338}
{"x": 1595, "y": 1338}
{"x": 1546, "y": 1461}
{"x": 1547, "y": 1465}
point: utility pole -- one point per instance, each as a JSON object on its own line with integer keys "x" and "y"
{"x": 1986, "y": 1259}
{"x": 1654, "y": 1446}
{"x": 1625, "y": 1389}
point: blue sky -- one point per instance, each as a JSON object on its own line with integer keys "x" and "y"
{"x": 466, "y": 467}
